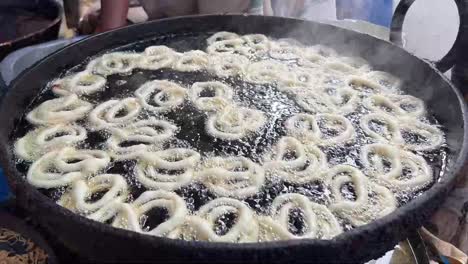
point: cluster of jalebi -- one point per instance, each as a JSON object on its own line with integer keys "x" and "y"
{"x": 345, "y": 103}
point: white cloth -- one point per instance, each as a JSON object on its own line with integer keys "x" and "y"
{"x": 319, "y": 10}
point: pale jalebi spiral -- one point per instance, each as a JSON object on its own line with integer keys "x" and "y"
{"x": 114, "y": 63}
{"x": 45, "y": 139}
{"x": 81, "y": 83}
{"x": 62, "y": 167}
{"x": 358, "y": 63}
{"x": 381, "y": 160}
{"x": 160, "y": 95}
{"x": 365, "y": 86}
{"x": 386, "y": 129}
{"x": 228, "y": 65}
{"x": 382, "y": 128}
{"x": 340, "y": 68}
{"x": 300, "y": 79}
{"x": 210, "y": 96}
{"x": 148, "y": 129}
{"x": 416, "y": 173}
{"x": 167, "y": 169}
{"x": 195, "y": 60}
{"x": 157, "y": 57}
{"x": 401, "y": 106}
{"x": 79, "y": 198}
{"x": 385, "y": 79}
{"x": 233, "y": 123}
{"x": 321, "y": 129}
{"x": 340, "y": 175}
{"x": 328, "y": 94}
{"x": 312, "y": 101}
{"x": 327, "y": 98}
{"x": 368, "y": 202}
{"x": 284, "y": 50}
{"x": 427, "y": 137}
{"x": 228, "y": 46}
{"x": 201, "y": 226}
{"x": 143, "y": 136}
{"x": 397, "y": 169}
{"x": 333, "y": 80}
{"x": 236, "y": 177}
{"x": 130, "y": 215}
{"x": 268, "y": 71}
{"x": 287, "y": 42}
{"x": 114, "y": 113}
{"x": 311, "y": 58}
{"x": 381, "y": 203}
{"x": 256, "y": 44}
{"x": 65, "y": 109}
{"x": 221, "y": 36}
{"x": 295, "y": 162}
{"x": 340, "y": 100}
{"x": 317, "y": 220}
{"x": 323, "y": 51}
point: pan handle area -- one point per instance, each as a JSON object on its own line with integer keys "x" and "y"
{"x": 449, "y": 60}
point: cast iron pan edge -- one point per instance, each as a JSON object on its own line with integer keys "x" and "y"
{"x": 103, "y": 242}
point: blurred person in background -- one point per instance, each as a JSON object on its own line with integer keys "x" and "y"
{"x": 113, "y": 13}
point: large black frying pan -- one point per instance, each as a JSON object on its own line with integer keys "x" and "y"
{"x": 25, "y": 23}
{"x": 102, "y": 242}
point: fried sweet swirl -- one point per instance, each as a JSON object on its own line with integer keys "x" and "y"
{"x": 167, "y": 169}
{"x": 62, "y": 167}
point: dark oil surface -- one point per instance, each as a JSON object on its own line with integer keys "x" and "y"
{"x": 276, "y": 105}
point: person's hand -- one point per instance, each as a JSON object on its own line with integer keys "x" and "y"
{"x": 89, "y": 23}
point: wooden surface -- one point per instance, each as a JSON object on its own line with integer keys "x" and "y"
{"x": 451, "y": 221}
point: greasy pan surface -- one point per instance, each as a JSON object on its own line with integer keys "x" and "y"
{"x": 102, "y": 242}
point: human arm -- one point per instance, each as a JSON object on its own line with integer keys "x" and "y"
{"x": 113, "y": 15}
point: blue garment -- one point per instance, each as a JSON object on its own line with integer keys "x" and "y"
{"x": 5, "y": 193}
{"x": 374, "y": 11}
